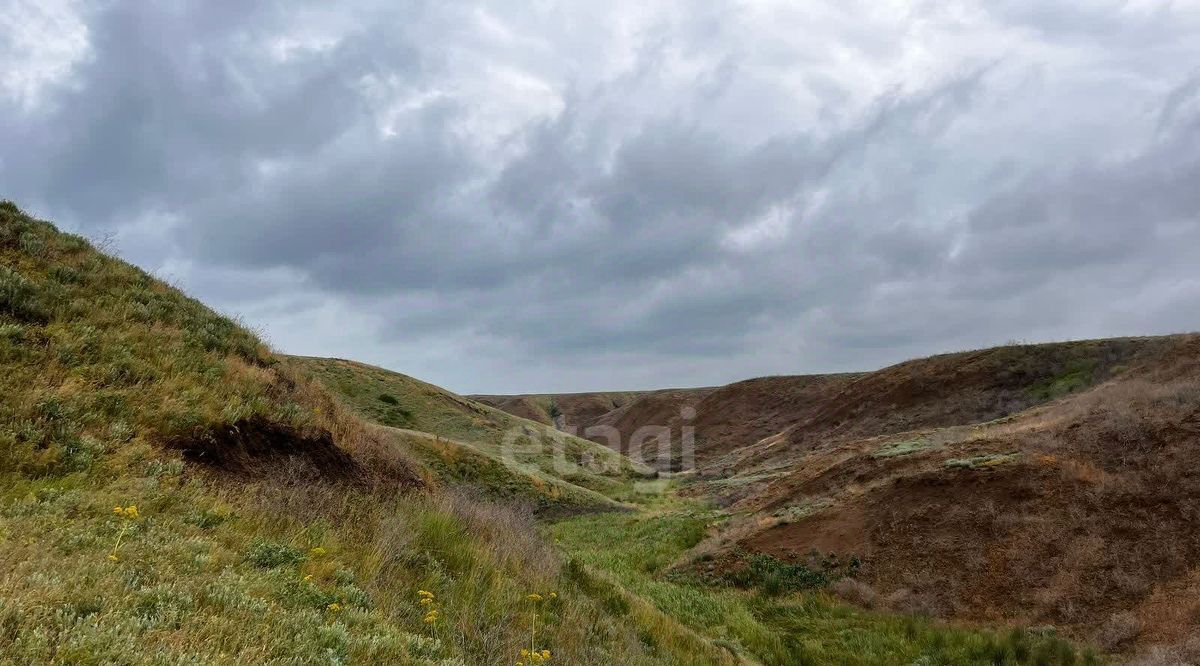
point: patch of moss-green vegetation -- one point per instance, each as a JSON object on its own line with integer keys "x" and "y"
{"x": 904, "y": 448}
{"x": 1078, "y": 375}
{"x": 983, "y": 461}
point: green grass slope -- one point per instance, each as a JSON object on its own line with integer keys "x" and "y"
{"x": 271, "y": 524}
{"x": 474, "y": 442}
{"x": 458, "y": 464}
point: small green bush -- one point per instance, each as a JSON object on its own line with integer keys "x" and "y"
{"x": 269, "y": 554}
{"x": 21, "y": 299}
{"x": 775, "y": 576}
{"x": 66, "y": 275}
{"x": 207, "y": 519}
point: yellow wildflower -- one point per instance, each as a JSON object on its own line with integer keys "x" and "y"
{"x": 308, "y": 578}
{"x": 334, "y": 607}
{"x": 425, "y": 593}
{"x": 426, "y": 601}
{"x": 112, "y": 557}
{"x": 534, "y": 597}
{"x": 317, "y": 552}
{"x": 554, "y": 595}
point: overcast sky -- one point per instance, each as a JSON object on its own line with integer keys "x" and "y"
{"x": 568, "y": 195}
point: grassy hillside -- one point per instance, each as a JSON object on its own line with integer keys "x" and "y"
{"x": 103, "y": 360}
{"x": 753, "y": 426}
{"x": 268, "y": 524}
{"x": 959, "y": 389}
{"x": 477, "y": 444}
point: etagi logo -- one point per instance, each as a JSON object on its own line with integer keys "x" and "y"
{"x": 668, "y": 447}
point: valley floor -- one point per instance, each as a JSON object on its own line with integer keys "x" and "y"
{"x": 631, "y": 556}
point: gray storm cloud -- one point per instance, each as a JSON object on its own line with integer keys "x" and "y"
{"x": 566, "y": 197}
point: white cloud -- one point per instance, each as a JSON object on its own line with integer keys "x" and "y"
{"x": 563, "y": 195}
{"x": 43, "y": 42}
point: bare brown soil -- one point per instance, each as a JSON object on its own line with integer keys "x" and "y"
{"x": 256, "y": 447}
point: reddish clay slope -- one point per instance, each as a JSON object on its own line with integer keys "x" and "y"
{"x": 940, "y": 391}
{"x": 565, "y": 410}
{"x": 762, "y": 423}
{"x": 1083, "y": 513}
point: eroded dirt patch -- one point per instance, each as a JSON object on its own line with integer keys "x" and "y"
{"x": 260, "y": 448}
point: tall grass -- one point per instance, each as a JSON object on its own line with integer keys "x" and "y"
{"x": 265, "y": 572}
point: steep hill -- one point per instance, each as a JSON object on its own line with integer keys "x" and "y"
{"x": 101, "y": 358}
{"x": 944, "y": 390}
